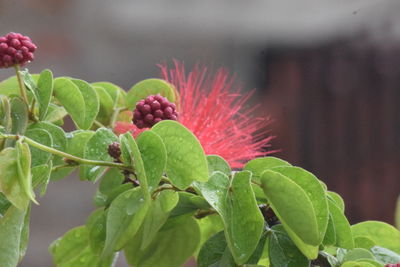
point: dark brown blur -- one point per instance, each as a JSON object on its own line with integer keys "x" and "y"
{"x": 326, "y": 72}
{"x": 336, "y": 112}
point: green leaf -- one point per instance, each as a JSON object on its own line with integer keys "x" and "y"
{"x": 73, "y": 250}
{"x": 259, "y": 165}
{"x": 168, "y": 200}
{"x": 70, "y": 245}
{"x": 149, "y": 87}
{"x": 185, "y": 205}
{"x": 247, "y": 223}
{"x": 96, "y": 226}
{"x": 24, "y": 240}
{"x": 9, "y": 86}
{"x": 41, "y": 177}
{"x": 157, "y": 215}
{"x": 298, "y": 217}
{"x": 9, "y": 179}
{"x": 44, "y": 92}
{"x": 72, "y": 99}
{"x": 76, "y": 142}
{"x": 363, "y": 242}
{"x": 110, "y": 180}
{"x": 29, "y": 82}
{"x": 125, "y": 215}
{"x": 57, "y": 135}
{"x": 104, "y": 200}
{"x": 330, "y": 235}
{"x": 11, "y": 228}
{"x": 186, "y": 161}
{"x": 117, "y": 94}
{"x": 385, "y": 256}
{"x": 55, "y": 113}
{"x": 383, "y": 234}
{"x": 88, "y": 259}
{"x": 217, "y": 163}
{"x": 171, "y": 247}
{"x": 315, "y": 192}
{"x": 110, "y": 187}
{"x": 282, "y": 250}
{"x": 344, "y": 238}
{"x": 215, "y": 252}
{"x": 369, "y": 261}
{"x": 24, "y": 169}
{"x": 236, "y": 204}
{"x": 357, "y": 264}
{"x": 358, "y": 253}
{"x": 129, "y": 147}
{"x": 43, "y": 137}
{"x": 4, "y": 204}
{"x": 19, "y": 117}
{"x": 5, "y": 113}
{"x": 154, "y": 156}
{"x": 91, "y": 100}
{"x": 209, "y": 226}
{"x": 97, "y": 149}
{"x": 337, "y": 199}
{"x": 106, "y": 104}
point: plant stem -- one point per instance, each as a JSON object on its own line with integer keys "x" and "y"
{"x": 256, "y": 183}
{"x": 99, "y": 124}
{"x": 204, "y": 213}
{"x": 22, "y": 88}
{"x": 162, "y": 188}
{"x": 66, "y": 155}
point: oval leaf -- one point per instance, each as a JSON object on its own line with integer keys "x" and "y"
{"x": 134, "y": 159}
{"x": 9, "y": 179}
{"x": 299, "y": 215}
{"x": 92, "y": 103}
{"x": 72, "y": 99}
{"x": 282, "y": 251}
{"x": 43, "y": 137}
{"x": 344, "y": 238}
{"x": 11, "y": 228}
{"x": 259, "y": 165}
{"x": 97, "y": 149}
{"x": 383, "y": 234}
{"x": 154, "y": 157}
{"x": 171, "y": 247}
{"x": 44, "y": 92}
{"x": 217, "y": 163}
{"x": 215, "y": 252}
{"x": 186, "y": 161}
{"x": 315, "y": 191}
{"x": 236, "y": 204}
{"x": 149, "y": 87}
{"x": 124, "y": 217}
{"x": 24, "y": 169}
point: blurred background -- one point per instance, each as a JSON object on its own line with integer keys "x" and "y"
{"x": 326, "y": 72}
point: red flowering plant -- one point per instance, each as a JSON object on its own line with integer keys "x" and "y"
{"x": 162, "y": 155}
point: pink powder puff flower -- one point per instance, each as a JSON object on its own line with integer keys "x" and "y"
{"x": 213, "y": 108}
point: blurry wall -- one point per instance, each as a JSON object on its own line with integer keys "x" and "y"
{"x": 325, "y": 70}
{"x": 336, "y": 111}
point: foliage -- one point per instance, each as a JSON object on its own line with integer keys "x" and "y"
{"x": 164, "y": 200}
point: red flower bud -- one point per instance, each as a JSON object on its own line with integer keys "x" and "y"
{"x": 153, "y": 109}
{"x": 15, "y": 49}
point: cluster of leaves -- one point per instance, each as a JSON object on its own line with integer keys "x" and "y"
{"x": 164, "y": 201}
